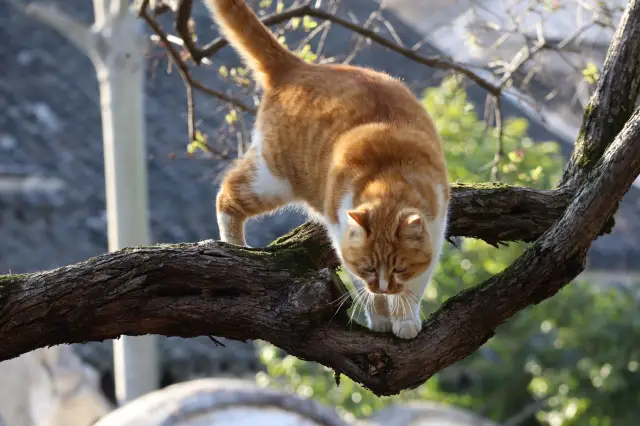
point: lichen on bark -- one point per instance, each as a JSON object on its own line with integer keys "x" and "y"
{"x": 11, "y": 281}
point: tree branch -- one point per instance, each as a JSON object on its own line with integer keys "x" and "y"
{"x": 183, "y": 68}
{"x": 188, "y": 80}
{"x": 76, "y": 32}
{"x": 614, "y": 99}
{"x": 100, "y": 12}
{"x": 499, "y": 213}
{"x": 307, "y": 10}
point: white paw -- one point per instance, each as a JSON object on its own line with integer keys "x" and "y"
{"x": 378, "y": 323}
{"x": 408, "y": 328}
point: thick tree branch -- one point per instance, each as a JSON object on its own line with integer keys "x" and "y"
{"x": 285, "y": 293}
{"x": 499, "y": 213}
{"x": 614, "y": 99}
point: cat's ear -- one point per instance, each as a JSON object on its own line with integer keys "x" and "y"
{"x": 359, "y": 221}
{"x": 360, "y": 217}
{"x": 411, "y": 226}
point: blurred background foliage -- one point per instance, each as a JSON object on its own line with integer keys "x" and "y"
{"x": 571, "y": 360}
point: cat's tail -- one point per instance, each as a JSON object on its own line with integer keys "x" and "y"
{"x": 258, "y": 47}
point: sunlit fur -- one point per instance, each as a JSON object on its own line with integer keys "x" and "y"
{"x": 358, "y": 151}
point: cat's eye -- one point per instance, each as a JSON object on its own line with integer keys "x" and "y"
{"x": 369, "y": 269}
{"x": 398, "y": 270}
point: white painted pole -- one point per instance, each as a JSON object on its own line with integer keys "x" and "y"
{"x": 121, "y": 83}
{"x": 116, "y": 47}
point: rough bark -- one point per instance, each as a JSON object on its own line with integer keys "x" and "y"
{"x": 285, "y": 293}
{"x": 614, "y": 99}
{"x": 500, "y": 213}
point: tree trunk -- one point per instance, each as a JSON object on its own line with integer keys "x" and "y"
{"x": 120, "y": 69}
{"x": 116, "y": 47}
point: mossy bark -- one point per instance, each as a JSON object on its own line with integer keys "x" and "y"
{"x": 612, "y": 102}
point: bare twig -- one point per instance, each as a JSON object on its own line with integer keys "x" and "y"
{"x": 188, "y": 80}
{"x": 183, "y": 16}
{"x": 216, "y": 341}
{"x": 182, "y": 66}
{"x": 360, "y": 40}
{"x": 307, "y": 10}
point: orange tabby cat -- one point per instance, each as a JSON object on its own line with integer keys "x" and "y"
{"x": 358, "y": 150}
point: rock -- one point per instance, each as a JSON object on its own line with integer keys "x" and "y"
{"x": 427, "y": 414}
{"x": 50, "y": 387}
{"x": 221, "y": 402}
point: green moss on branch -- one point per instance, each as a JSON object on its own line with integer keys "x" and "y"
{"x": 10, "y": 282}
{"x": 480, "y": 186}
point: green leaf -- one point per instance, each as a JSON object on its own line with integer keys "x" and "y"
{"x": 308, "y": 23}
{"x": 591, "y": 73}
{"x": 231, "y": 117}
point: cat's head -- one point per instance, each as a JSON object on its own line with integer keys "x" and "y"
{"x": 387, "y": 250}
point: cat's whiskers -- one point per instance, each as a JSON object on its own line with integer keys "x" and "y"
{"x": 393, "y": 304}
{"x": 371, "y": 306}
{"x": 358, "y": 303}
{"x": 342, "y": 298}
{"x": 405, "y": 306}
{"x": 418, "y": 304}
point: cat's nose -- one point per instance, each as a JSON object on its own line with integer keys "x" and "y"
{"x": 383, "y": 285}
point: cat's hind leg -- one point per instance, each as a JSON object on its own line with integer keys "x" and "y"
{"x": 248, "y": 189}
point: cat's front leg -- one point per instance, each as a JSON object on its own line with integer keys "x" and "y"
{"x": 378, "y": 314}
{"x": 405, "y": 314}
{"x": 406, "y": 326}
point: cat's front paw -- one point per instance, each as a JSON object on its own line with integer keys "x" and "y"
{"x": 378, "y": 322}
{"x": 407, "y": 328}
